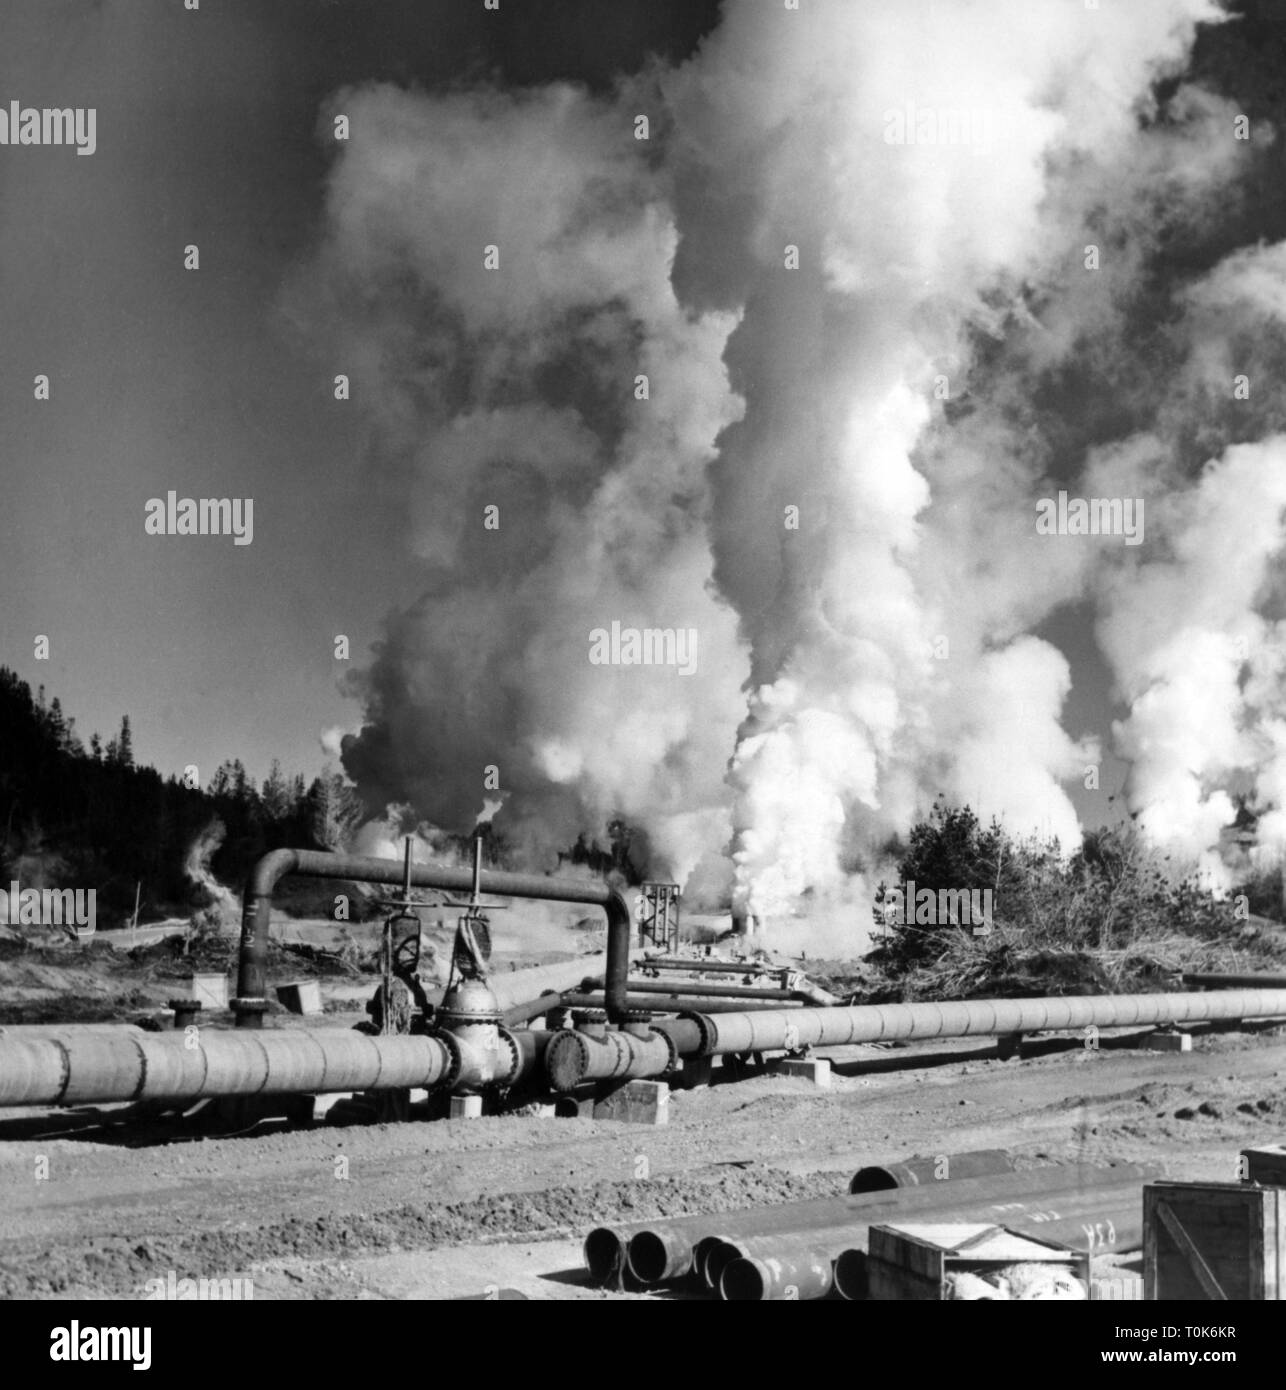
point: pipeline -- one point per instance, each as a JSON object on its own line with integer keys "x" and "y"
{"x": 768, "y": 1032}
{"x": 701, "y": 965}
{"x": 129, "y": 1064}
{"x": 662, "y": 1250}
{"x": 1209, "y": 981}
{"x": 692, "y": 1002}
{"x": 799, "y": 993}
{"x": 693, "y": 987}
{"x": 777, "y": 1030}
{"x": 272, "y": 868}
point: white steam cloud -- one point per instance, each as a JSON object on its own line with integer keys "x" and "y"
{"x": 854, "y": 243}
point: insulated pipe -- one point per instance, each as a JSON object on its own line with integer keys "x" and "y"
{"x": 660, "y": 1250}
{"x": 130, "y": 1065}
{"x": 771, "y": 1032}
{"x": 272, "y": 868}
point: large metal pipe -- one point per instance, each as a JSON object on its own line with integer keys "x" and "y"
{"x": 690, "y": 987}
{"x": 256, "y": 914}
{"x": 661, "y": 1250}
{"x": 671, "y": 1254}
{"x": 921, "y": 1172}
{"x": 1214, "y": 981}
{"x": 573, "y": 1057}
{"x": 129, "y": 1064}
{"x": 797, "y": 1272}
{"x": 688, "y": 1003}
{"x": 1105, "y": 1219}
{"x": 770, "y": 1031}
{"x": 697, "y": 965}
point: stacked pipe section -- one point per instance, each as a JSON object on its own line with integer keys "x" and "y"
{"x": 802, "y": 1250}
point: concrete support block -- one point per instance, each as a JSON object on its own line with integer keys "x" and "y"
{"x": 1009, "y": 1046}
{"x": 814, "y": 1069}
{"x": 315, "y": 1109}
{"x": 636, "y": 1102}
{"x": 465, "y": 1108}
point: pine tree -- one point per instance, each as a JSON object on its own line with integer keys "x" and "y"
{"x": 221, "y": 784}
{"x": 126, "y": 744}
{"x": 57, "y": 723}
{"x": 276, "y": 794}
{"x": 335, "y": 811}
{"x": 96, "y": 746}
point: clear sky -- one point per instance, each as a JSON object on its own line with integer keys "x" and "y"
{"x": 163, "y": 378}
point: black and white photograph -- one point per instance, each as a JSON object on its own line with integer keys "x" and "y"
{"x": 642, "y": 659}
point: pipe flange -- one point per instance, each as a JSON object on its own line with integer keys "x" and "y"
{"x": 249, "y": 1012}
{"x": 590, "y": 1021}
{"x": 636, "y": 1022}
{"x": 671, "y": 1048}
{"x": 515, "y": 1064}
{"x": 706, "y": 1027}
{"x": 567, "y": 1060}
{"x": 455, "y": 1061}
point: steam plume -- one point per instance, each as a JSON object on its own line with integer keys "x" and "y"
{"x": 851, "y": 260}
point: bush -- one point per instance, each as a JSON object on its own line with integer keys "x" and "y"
{"x": 1118, "y": 914}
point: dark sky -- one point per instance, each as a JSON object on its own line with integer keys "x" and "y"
{"x": 164, "y": 378}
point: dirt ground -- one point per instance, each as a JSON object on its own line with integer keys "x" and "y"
{"x": 95, "y": 1208}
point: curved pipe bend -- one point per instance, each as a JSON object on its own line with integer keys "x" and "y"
{"x": 252, "y": 983}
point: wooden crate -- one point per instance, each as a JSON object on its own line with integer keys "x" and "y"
{"x": 1266, "y": 1165}
{"x": 1213, "y": 1241}
{"x": 911, "y": 1262}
